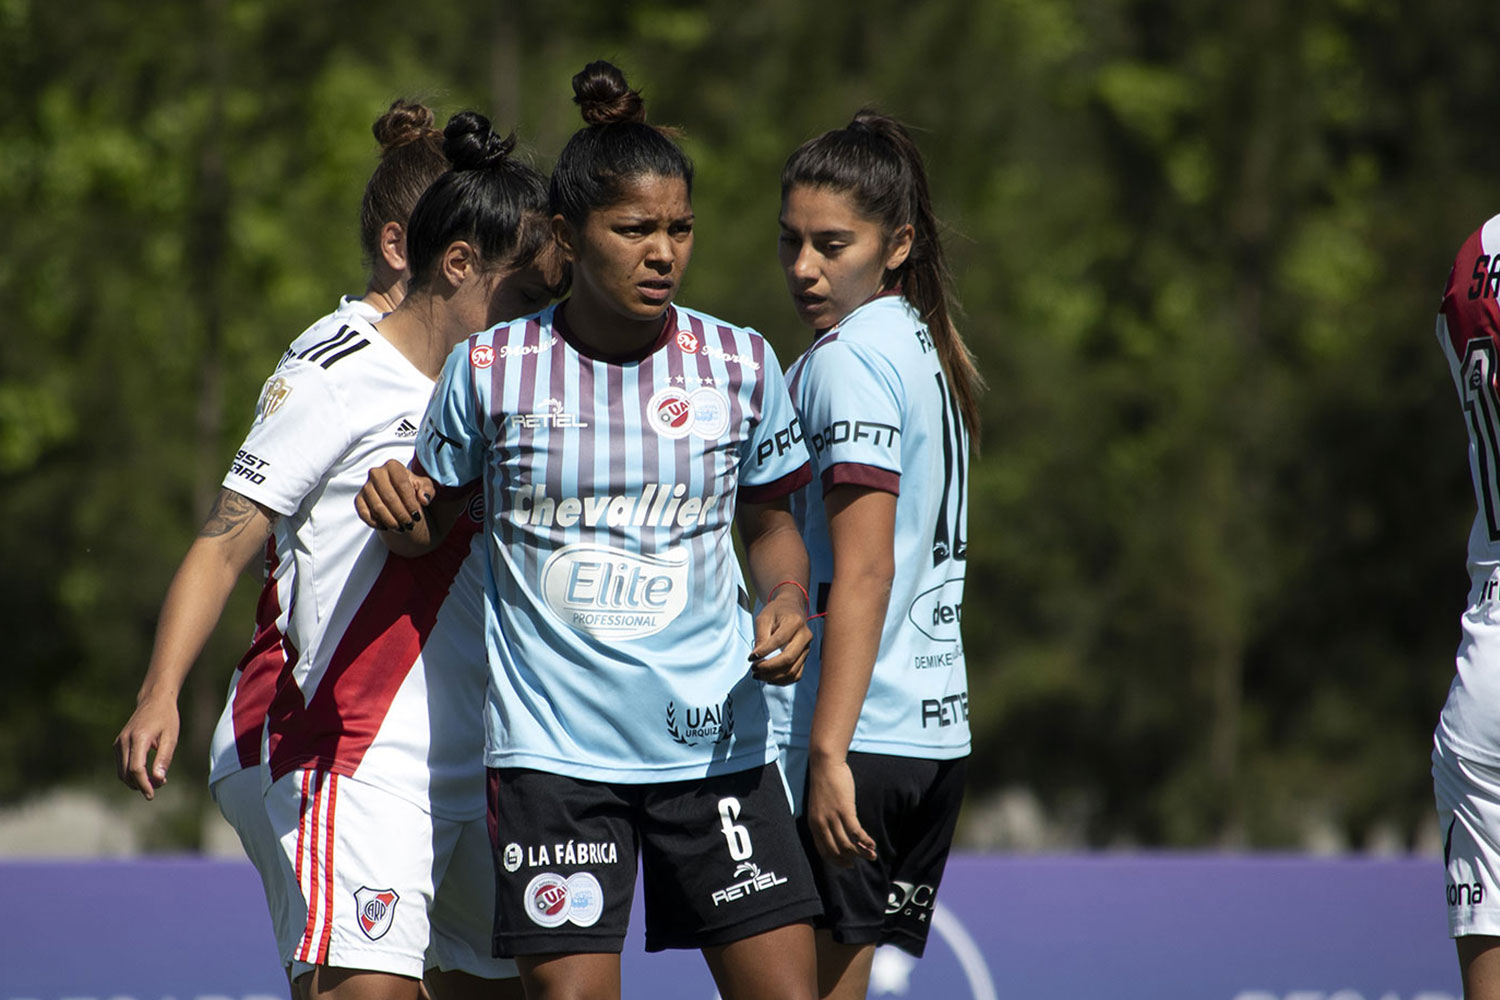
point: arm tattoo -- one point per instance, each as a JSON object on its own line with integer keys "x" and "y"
{"x": 230, "y": 514}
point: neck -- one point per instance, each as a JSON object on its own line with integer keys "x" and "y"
{"x": 419, "y": 329}
{"x": 605, "y": 332}
{"x": 384, "y": 292}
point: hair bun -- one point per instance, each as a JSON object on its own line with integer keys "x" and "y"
{"x": 405, "y": 121}
{"x": 601, "y": 92}
{"x": 471, "y": 144}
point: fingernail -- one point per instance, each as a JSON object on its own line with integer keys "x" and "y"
{"x": 427, "y": 498}
{"x": 416, "y": 516}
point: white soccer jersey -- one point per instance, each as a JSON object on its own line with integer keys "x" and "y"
{"x": 877, "y": 411}
{"x": 618, "y": 627}
{"x": 240, "y": 731}
{"x": 381, "y": 670}
{"x": 1468, "y": 328}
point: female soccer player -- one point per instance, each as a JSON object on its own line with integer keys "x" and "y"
{"x": 373, "y": 728}
{"x": 1466, "y": 745}
{"x": 618, "y": 437}
{"x": 411, "y": 158}
{"x": 887, "y": 398}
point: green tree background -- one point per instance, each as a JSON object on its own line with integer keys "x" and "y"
{"x": 1218, "y": 529}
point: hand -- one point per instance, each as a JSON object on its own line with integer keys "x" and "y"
{"x": 831, "y": 814}
{"x": 153, "y": 726}
{"x": 393, "y": 497}
{"x": 782, "y": 638}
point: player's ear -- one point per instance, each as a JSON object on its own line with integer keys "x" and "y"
{"x": 562, "y": 232}
{"x": 391, "y": 245}
{"x": 899, "y": 246}
{"x": 460, "y": 261}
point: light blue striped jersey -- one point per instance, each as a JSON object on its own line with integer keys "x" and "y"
{"x": 878, "y": 412}
{"x": 618, "y": 628}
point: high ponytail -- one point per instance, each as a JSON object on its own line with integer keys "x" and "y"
{"x": 411, "y": 158}
{"x": 875, "y": 161}
{"x": 614, "y": 146}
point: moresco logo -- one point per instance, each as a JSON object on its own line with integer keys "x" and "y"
{"x": 481, "y": 355}
{"x": 688, "y": 341}
{"x": 612, "y": 594}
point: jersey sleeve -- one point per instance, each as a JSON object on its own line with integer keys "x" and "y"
{"x": 301, "y": 429}
{"x": 450, "y": 445}
{"x": 774, "y": 462}
{"x": 851, "y": 403}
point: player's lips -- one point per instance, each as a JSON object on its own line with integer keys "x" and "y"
{"x": 656, "y": 290}
{"x": 808, "y": 302}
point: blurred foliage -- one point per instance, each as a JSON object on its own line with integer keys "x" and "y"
{"x": 1217, "y": 545}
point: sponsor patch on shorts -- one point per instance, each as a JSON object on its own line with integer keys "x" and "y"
{"x": 552, "y": 900}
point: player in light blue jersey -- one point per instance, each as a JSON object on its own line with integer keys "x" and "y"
{"x": 620, "y": 438}
{"x": 879, "y": 723}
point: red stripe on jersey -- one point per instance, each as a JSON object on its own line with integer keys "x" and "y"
{"x": 260, "y": 668}
{"x": 777, "y": 488}
{"x": 373, "y": 657}
{"x": 1469, "y": 301}
{"x": 859, "y": 474}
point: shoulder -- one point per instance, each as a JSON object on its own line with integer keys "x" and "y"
{"x": 888, "y": 323}
{"x": 697, "y": 331}
{"x": 1471, "y": 300}
{"x": 514, "y": 339}
{"x": 331, "y": 341}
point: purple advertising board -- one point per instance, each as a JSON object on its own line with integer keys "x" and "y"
{"x": 1124, "y": 927}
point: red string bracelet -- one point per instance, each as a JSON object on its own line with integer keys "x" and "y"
{"x": 806, "y": 600}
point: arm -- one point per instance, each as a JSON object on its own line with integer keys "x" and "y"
{"x": 234, "y": 534}
{"x": 393, "y": 501}
{"x": 861, "y": 526}
{"x": 775, "y": 553}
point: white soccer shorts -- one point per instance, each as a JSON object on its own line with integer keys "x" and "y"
{"x": 1468, "y": 804}
{"x": 365, "y": 862}
{"x": 241, "y": 798}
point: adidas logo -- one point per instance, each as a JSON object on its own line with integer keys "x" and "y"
{"x": 406, "y": 429}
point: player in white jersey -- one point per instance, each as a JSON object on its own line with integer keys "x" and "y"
{"x": 878, "y": 726}
{"x": 236, "y": 532}
{"x": 373, "y": 731}
{"x": 1466, "y": 745}
{"x": 619, "y": 439}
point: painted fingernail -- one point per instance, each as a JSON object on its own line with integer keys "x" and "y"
{"x": 416, "y": 516}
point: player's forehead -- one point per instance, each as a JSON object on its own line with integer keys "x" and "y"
{"x": 649, "y": 196}
{"x": 821, "y": 209}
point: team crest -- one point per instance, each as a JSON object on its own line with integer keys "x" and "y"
{"x": 271, "y": 397}
{"x": 670, "y": 413}
{"x": 552, "y": 900}
{"x": 375, "y": 909}
{"x": 481, "y": 355}
{"x": 688, "y": 341}
{"x": 710, "y": 413}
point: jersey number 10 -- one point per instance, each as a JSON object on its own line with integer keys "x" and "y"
{"x": 1481, "y": 405}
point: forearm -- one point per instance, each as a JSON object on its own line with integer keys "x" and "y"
{"x": 775, "y": 556}
{"x": 194, "y": 603}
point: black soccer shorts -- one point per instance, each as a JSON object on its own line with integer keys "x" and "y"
{"x": 720, "y": 857}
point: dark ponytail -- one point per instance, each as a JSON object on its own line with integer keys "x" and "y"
{"x": 875, "y": 161}
{"x": 411, "y": 158}
{"x": 615, "y": 146}
{"x": 491, "y": 199}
